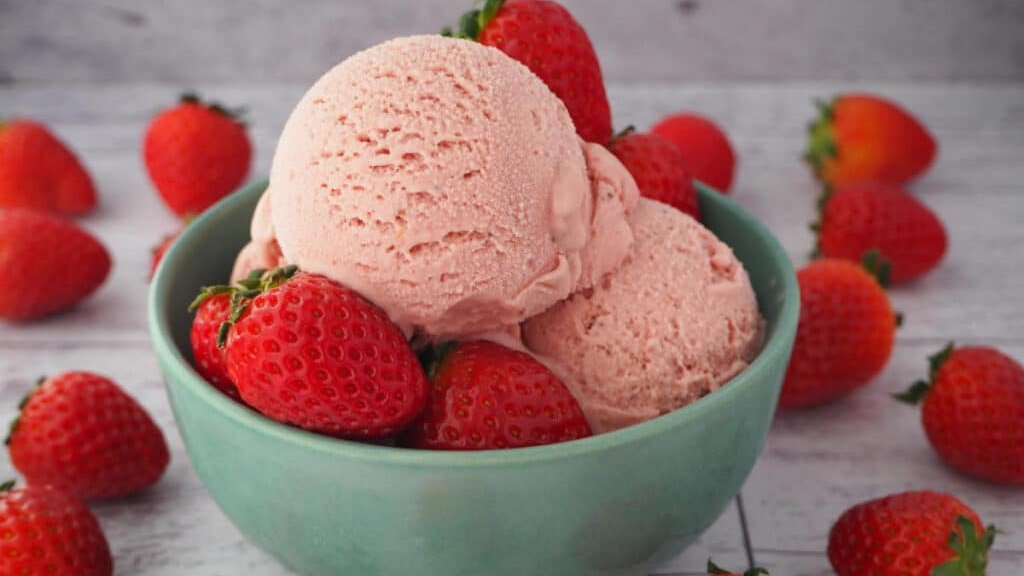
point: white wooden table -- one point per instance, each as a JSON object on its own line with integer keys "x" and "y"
{"x": 816, "y": 464}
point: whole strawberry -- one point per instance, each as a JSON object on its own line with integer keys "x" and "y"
{"x": 706, "y": 149}
{"x": 37, "y": 171}
{"x": 860, "y": 218}
{"x": 715, "y": 569}
{"x": 973, "y": 412}
{"x": 212, "y": 311}
{"x": 910, "y": 534}
{"x": 658, "y": 168}
{"x": 542, "y": 35}
{"x": 485, "y": 396}
{"x": 48, "y": 264}
{"x": 196, "y": 154}
{"x": 80, "y": 433}
{"x": 307, "y": 351}
{"x": 159, "y": 250}
{"x": 845, "y": 335}
{"x": 861, "y": 138}
{"x": 46, "y": 531}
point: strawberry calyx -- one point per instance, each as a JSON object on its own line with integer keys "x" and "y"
{"x": 7, "y": 486}
{"x": 474, "y": 21}
{"x": 21, "y": 406}
{"x": 878, "y": 266}
{"x": 918, "y": 390}
{"x": 822, "y": 145}
{"x": 826, "y": 195}
{"x": 433, "y": 356}
{"x": 235, "y": 114}
{"x": 257, "y": 282}
{"x": 713, "y": 568}
{"x": 622, "y": 134}
{"x": 971, "y": 550}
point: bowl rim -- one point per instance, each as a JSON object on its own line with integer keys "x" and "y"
{"x": 171, "y": 359}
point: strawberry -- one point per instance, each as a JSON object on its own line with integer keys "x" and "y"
{"x": 212, "y": 312}
{"x": 860, "y": 138}
{"x": 845, "y": 335}
{"x": 705, "y": 148}
{"x": 860, "y": 218}
{"x": 48, "y": 264}
{"x": 82, "y": 434}
{"x": 160, "y": 249}
{"x": 45, "y": 531}
{"x": 484, "y": 396}
{"x": 714, "y": 569}
{"x": 39, "y": 172}
{"x": 307, "y": 351}
{"x": 543, "y": 36}
{"x": 196, "y": 154}
{"x": 973, "y": 412}
{"x": 658, "y": 169}
{"x": 910, "y": 534}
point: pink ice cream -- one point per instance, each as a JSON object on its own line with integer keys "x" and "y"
{"x": 445, "y": 182}
{"x": 672, "y": 324}
{"x": 263, "y": 251}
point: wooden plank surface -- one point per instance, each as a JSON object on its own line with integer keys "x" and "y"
{"x": 669, "y": 40}
{"x": 816, "y": 463}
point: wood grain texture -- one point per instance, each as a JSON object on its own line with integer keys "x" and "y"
{"x": 816, "y": 463}
{"x": 670, "y": 40}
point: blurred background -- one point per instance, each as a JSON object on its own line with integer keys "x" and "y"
{"x": 186, "y": 41}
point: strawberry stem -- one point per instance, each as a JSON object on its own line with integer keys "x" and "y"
{"x": 257, "y": 282}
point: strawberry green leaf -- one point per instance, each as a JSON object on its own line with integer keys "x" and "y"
{"x": 21, "y": 406}
{"x": 822, "y": 147}
{"x": 878, "y": 266}
{"x": 935, "y": 361}
{"x": 917, "y": 391}
{"x": 7, "y": 486}
{"x": 971, "y": 551}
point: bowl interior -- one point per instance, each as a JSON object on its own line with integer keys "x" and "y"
{"x": 205, "y": 252}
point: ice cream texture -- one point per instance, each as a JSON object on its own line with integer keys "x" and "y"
{"x": 677, "y": 320}
{"x": 445, "y": 182}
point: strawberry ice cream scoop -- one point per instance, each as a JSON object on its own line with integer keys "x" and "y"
{"x": 262, "y": 251}
{"x": 443, "y": 181}
{"x": 673, "y": 323}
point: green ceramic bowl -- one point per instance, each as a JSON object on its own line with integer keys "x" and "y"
{"x": 617, "y": 503}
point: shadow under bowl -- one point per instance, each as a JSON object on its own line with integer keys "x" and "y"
{"x": 617, "y": 503}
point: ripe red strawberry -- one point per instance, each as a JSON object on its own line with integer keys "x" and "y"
{"x": 973, "y": 412}
{"x": 82, "y": 434}
{"x": 860, "y": 138}
{"x": 39, "y": 172}
{"x": 705, "y": 148}
{"x": 48, "y": 264}
{"x": 910, "y": 534}
{"x": 45, "y": 531}
{"x": 860, "y": 218}
{"x": 658, "y": 168}
{"x": 543, "y": 36}
{"x": 484, "y": 396}
{"x": 160, "y": 249}
{"x": 307, "y": 351}
{"x": 196, "y": 154}
{"x": 845, "y": 335}
{"x": 714, "y": 569}
{"x": 212, "y": 312}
